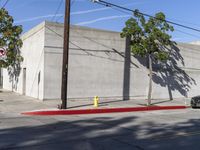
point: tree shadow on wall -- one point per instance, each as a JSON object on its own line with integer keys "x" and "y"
{"x": 14, "y": 72}
{"x": 170, "y": 74}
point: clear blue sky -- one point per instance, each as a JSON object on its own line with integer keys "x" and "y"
{"x": 32, "y": 12}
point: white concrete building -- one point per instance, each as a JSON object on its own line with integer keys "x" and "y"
{"x": 99, "y": 64}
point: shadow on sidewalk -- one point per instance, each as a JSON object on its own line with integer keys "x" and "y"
{"x": 100, "y": 104}
{"x": 161, "y": 102}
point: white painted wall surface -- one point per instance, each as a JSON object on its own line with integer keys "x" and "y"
{"x": 96, "y": 66}
{"x": 33, "y": 54}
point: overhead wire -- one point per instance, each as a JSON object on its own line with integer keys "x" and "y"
{"x": 57, "y": 10}
{"x": 184, "y": 22}
{"x": 72, "y": 3}
{"x": 5, "y": 4}
{"x": 118, "y": 9}
{"x": 107, "y": 4}
{"x": 186, "y": 33}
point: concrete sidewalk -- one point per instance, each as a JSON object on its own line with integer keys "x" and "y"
{"x": 11, "y": 102}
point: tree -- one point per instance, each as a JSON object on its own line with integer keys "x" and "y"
{"x": 149, "y": 38}
{"x": 9, "y": 40}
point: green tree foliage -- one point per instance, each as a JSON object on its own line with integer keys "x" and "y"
{"x": 9, "y": 40}
{"x": 149, "y": 38}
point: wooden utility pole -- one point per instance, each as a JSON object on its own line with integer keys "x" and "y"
{"x": 65, "y": 55}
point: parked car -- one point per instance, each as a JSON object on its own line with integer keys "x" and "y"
{"x": 195, "y": 102}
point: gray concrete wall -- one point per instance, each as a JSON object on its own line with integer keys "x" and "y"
{"x": 100, "y": 64}
{"x": 1, "y": 78}
{"x": 95, "y": 63}
{"x": 195, "y": 42}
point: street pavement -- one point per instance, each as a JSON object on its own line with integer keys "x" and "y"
{"x": 150, "y": 130}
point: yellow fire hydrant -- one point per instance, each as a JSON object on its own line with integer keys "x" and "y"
{"x": 96, "y": 101}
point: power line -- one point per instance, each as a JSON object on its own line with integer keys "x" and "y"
{"x": 59, "y": 18}
{"x": 184, "y": 22}
{"x": 5, "y": 4}
{"x": 72, "y": 3}
{"x": 183, "y": 32}
{"x": 58, "y": 8}
{"x": 125, "y": 12}
{"x": 181, "y": 21}
{"x": 107, "y": 4}
{"x": 186, "y": 33}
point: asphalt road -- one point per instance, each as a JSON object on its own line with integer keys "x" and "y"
{"x": 153, "y": 130}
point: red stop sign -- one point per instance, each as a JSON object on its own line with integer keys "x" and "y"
{"x": 2, "y": 52}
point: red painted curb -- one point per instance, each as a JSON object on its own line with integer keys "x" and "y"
{"x": 105, "y": 110}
